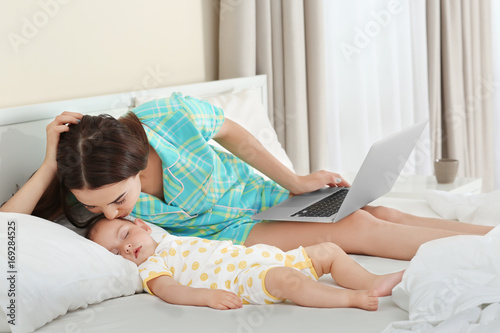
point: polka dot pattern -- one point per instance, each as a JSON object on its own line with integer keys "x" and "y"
{"x": 202, "y": 263}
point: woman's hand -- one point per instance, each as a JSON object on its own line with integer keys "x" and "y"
{"x": 25, "y": 200}
{"x": 54, "y": 130}
{"x": 315, "y": 181}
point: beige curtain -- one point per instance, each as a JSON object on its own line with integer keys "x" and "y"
{"x": 460, "y": 84}
{"x": 285, "y": 40}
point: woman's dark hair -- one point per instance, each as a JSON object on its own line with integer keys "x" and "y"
{"x": 98, "y": 151}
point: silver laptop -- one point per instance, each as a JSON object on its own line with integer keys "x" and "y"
{"x": 378, "y": 173}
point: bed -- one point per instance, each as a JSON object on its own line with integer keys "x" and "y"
{"x": 120, "y": 308}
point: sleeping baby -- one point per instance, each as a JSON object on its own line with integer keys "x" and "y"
{"x": 221, "y": 275}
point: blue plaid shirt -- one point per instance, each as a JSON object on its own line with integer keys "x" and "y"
{"x": 207, "y": 192}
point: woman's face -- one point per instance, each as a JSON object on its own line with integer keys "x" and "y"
{"x": 114, "y": 201}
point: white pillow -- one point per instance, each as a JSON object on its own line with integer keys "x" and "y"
{"x": 55, "y": 270}
{"x": 245, "y": 107}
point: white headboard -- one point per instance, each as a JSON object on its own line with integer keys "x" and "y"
{"x": 22, "y": 129}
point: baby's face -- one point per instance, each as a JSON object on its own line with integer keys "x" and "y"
{"x": 130, "y": 240}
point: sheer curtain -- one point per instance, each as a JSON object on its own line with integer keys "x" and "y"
{"x": 495, "y": 12}
{"x": 284, "y": 40}
{"x": 376, "y": 78}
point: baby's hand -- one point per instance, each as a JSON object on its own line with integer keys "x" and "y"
{"x": 224, "y": 300}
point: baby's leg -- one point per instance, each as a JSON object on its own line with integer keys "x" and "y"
{"x": 330, "y": 258}
{"x": 289, "y": 283}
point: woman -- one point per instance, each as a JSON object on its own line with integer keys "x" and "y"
{"x": 156, "y": 164}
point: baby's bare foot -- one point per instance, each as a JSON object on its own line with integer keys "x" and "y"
{"x": 385, "y": 283}
{"x": 366, "y": 299}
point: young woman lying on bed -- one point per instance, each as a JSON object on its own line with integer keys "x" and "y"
{"x": 155, "y": 163}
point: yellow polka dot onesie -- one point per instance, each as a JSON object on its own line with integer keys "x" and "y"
{"x": 203, "y": 263}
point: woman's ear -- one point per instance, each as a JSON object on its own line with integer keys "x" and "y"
{"x": 141, "y": 224}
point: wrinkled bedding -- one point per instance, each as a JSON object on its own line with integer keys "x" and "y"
{"x": 473, "y": 208}
{"x": 452, "y": 285}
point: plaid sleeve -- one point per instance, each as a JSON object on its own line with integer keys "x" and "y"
{"x": 207, "y": 117}
{"x": 174, "y": 113}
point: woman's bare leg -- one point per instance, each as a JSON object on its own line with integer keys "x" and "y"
{"x": 329, "y": 258}
{"x": 359, "y": 233}
{"x": 396, "y": 216}
{"x": 288, "y": 283}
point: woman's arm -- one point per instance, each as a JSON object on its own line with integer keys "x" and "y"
{"x": 172, "y": 292}
{"x": 25, "y": 200}
{"x": 243, "y": 144}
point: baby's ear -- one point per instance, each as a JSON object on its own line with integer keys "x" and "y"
{"x": 141, "y": 224}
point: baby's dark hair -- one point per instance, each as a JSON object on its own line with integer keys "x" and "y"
{"x": 94, "y": 221}
{"x": 92, "y": 224}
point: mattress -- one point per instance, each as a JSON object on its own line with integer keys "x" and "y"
{"x": 143, "y": 312}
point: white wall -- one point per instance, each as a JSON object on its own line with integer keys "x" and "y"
{"x": 61, "y": 49}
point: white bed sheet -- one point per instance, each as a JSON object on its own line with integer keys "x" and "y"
{"x": 142, "y": 312}
{"x": 452, "y": 285}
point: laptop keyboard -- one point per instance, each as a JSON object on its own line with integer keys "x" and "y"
{"x": 325, "y": 207}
